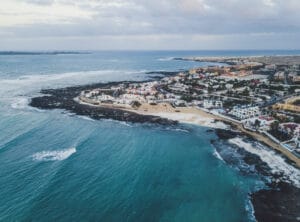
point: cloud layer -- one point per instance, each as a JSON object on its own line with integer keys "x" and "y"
{"x": 154, "y": 20}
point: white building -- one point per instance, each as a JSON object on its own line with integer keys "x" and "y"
{"x": 179, "y": 87}
{"x": 264, "y": 122}
{"x": 129, "y": 98}
{"x": 208, "y": 104}
{"x": 229, "y": 86}
{"x": 245, "y": 112}
{"x": 104, "y": 97}
{"x": 92, "y": 93}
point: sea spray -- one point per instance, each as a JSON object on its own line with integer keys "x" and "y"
{"x": 54, "y": 155}
{"x": 218, "y": 156}
{"x": 276, "y": 162}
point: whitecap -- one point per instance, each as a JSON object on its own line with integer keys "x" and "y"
{"x": 20, "y": 103}
{"x": 84, "y": 117}
{"x": 120, "y": 122}
{"x": 125, "y": 123}
{"x": 276, "y": 162}
{"x": 181, "y": 130}
{"x": 166, "y": 59}
{"x": 217, "y": 155}
{"x": 250, "y": 210}
{"x": 30, "y": 84}
{"x": 177, "y": 129}
{"x": 54, "y": 155}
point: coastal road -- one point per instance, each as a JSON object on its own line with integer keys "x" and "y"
{"x": 261, "y": 138}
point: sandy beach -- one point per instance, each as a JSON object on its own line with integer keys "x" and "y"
{"x": 193, "y": 115}
{"x": 165, "y": 114}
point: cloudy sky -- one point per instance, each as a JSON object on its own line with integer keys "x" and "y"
{"x": 149, "y": 24}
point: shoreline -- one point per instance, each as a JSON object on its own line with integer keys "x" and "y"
{"x": 277, "y": 199}
{"x": 65, "y": 98}
{"x": 188, "y": 115}
{"x": 267, "y": 202}
{"x": 196, "y": 116}
{"x": 165, "y": 115}
{"x": 231, "y": 60}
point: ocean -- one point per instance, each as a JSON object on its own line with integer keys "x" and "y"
{"x": 58, "y": 166}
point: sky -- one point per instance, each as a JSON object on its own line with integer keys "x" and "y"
{"x": 149, "y": 24}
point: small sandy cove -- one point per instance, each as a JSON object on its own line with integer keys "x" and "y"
{"x": 197, "y": 116}
{"x": 194, "y": 115}
{"x": 190, "y": 115}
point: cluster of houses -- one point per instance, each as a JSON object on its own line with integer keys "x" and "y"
{"x": 209, "y": 104}
{"x": 238, "y": 91}
{"x": 292, "y": 130}
{"x": 245, "y": 112}
{"x": 287, "y": 73}
{"x": 145, "y": 89}
{"x": 261, "y": 122}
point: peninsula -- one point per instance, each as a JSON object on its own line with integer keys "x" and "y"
{"x": 254, "y": 96}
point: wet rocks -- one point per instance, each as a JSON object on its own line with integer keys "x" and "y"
{"x": 281, "y": 203}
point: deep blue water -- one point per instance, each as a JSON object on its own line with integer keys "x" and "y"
{"x": 57, "y": 166}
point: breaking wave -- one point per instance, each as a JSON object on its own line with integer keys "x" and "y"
{"x": 276, "y": 162}
{"x": 217, "y": 155}
{"x": 20, "y": 103}
{"x": 55, "y": 155}
{"x": 181, "y": 130}
{"x": 84, "y": 117}
{"x": 166, "y": 59}
{"x": 16, "y": 92}
{"x": 36, "y": 82}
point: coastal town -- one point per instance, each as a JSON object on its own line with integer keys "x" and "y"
{"x": 248, "y": 106}
{"x": 259, "y": 96}
{"x": 150, "y": 111}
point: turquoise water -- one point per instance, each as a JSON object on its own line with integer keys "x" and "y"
{"x": 117, "y": 173}
{"x": 57, "y": 166}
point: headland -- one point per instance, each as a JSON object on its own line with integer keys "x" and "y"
{"x": 257, "y": 97}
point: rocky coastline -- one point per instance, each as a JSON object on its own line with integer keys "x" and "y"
{"x": 278, "y": 202}
{"x": 64, "y": 99}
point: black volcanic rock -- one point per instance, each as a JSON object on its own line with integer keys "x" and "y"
{"x": 277, "y": 205}
{"x": 280, "y": 201}
{"x": 226, "y": 134}
{"x": 164, "y": 73}
{"x": 64, "y": 99}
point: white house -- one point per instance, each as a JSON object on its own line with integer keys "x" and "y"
{"x": 208, "y": 104}
{"x": 104, "y": 97}
{"x": 245, "y": 112}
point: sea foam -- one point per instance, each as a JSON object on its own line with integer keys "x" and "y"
{"x": 29, "y": 85}
{"x": 54, "y": 155}
{"x": 276, "y": 162}
{"x": 166, "y": 59}
{"x": 217, "y": 155}
{"x": 83, "y": 117}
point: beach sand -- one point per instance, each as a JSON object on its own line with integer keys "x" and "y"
{"x": 191, "y": 115}
{"x": 197, "y": 116}
{"x": 194, "y": 115}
